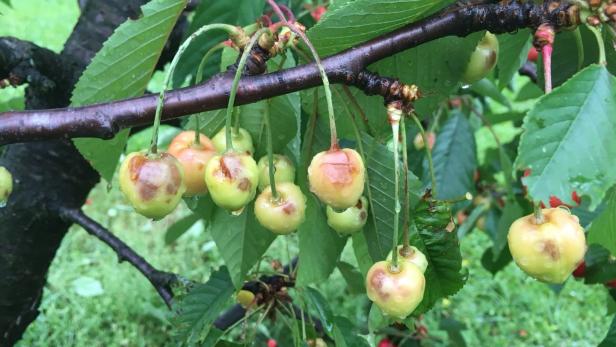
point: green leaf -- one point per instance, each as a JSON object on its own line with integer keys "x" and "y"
{"x": 454, "y": 331}
{"x": 492, "y": 264}
{"x": 122, "y": 69}
{"x": 455, "y": 158}
{"x": 237, "y": 12}
{"x": 347, "y": 335}
{"x": 361, "y": 20}
{"x": 241, "y": 241}
{"x": 436, "y": 74}
{"x": 569, "y": 141}
{"x": 512, "y": 211}
{"x": 362, "y": 254}
{"x": 603, "y": 228}
{"x": 380, "y": 169}
{"x": 319, "y": 245}
{"x": 610, "y": 338}
{"x": 180, "y": 227}
{"x": 320, "y": 305}
{"x": 444, "y": 275}
{"x": 198, "y": 309}
{"x": 376, "y": 319}
{"x": 513, "y": 50}
{"x": 353, "y": 278}
{"x": 486, "y": 88}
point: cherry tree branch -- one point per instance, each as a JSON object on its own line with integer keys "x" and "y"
{"x": 105, "y": 120}
{"x": 159, "y": 279}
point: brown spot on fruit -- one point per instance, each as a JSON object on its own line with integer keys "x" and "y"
{"x": 551, "y": 249}
{"x": 288, "y": 208}
{"x": 362, "y": 215}
{"x": 224, "y": 168}
{"x": 378, "y": 277}
{"x": 359, "y": 204}
{"x": 147, "y": 190}
{"x": 244, "y": 184}
{"x": 134, "y": 166}
{"x": 491, "y": 59}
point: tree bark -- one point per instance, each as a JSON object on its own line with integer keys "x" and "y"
{"x": 48, "y": 175}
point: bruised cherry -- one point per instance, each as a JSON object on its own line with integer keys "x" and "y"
{"x": 284, "y": 171}
{"x": 412, "y": 255}
{"x": 337, "y": 177}
{"x": 418, "y": 141}
{"x": 194, "y": 158}
{"x": 284, "y": 214}
{"x": 482, "y": 60}
{"x": 153, "y": 183}
{"x": 232, "y": 179}
{"x": 551, "y": 250}
{"x": 6, "y": 185}
{"x": 241, "y": 140}
{"x": 397, "y": 292}
{"x": 350, "y": 220}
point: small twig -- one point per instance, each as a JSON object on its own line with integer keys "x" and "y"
{"x": 159, "y": 279}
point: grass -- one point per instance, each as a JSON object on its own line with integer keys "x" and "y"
{"x": 91, "y": 300}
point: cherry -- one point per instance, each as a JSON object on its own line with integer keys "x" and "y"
{"x": 153, "y": 183}
{"x": 337, "y": 177}
{"x": 611, "y": 284}
{"x": 413, "y": 256}
{"x": 284, "y": 214}
{"x": 245, "y": 298}
{"x": 193, "y": 157}
{"x": 549, "y": 251}
{"x": 418, "y": 142}
{"x": 482, "y": 60}
{"x": 284, "y": 171}
{"x": 232, "y": 179}
{"x": 272, "y": 343}
{"x": 241, "y": 140}
{"x": 318, "y": 12}
{"x": 350, "y": 220}
{"x": 397, "y": 292}
{"x": 6, "y": 185}
{"x": 385, "y": 342}
{"x": 580, "y": 270}
{"x": 533, "y": 55}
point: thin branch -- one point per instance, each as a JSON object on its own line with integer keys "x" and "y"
{"x": 104, "y": 120}
{"x": 159, "y": 279}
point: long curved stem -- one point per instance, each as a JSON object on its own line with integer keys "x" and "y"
{"x": 407, "y": 193}
{"x": 234, "y": 85}
{"x": 270, "y": 152}
{"x": 198, "y": 80}
{"x": 317, "y": 60}
{"x": 394, "y": 118}
{"x": 161, "y": 97}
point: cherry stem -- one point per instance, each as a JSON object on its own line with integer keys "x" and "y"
{"x": 546, "y": 53}
{"x": 600, "y": 43}
{"x": 270, "y": 151}
{"x": 317, "y": 60}
{"x": 539, "y": 219}
{"x": 232, "y": 30}
{"x": 395, "y": 114}
{"x": 407, "y": 193}
{"x": 422, "y": 131}
{"x": 198, "y": 80}
{"x": 235, "y": 84}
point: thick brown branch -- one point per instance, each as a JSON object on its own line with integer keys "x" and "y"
{"x": 161, "y": 280}
{"x": 104, "y": 120}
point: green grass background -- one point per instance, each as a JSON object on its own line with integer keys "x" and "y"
{"x": 91, "y": 300}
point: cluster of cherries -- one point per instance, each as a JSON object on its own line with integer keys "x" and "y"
{"x": 155, "y": 183}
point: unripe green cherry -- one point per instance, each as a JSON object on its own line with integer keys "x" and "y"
{"x": 350, "y": 220}
{"x": 284, "y": 170}
{"x": 6, "y": 185}
{"x": 397, "y": 292}
{"x": 337, "y": 177}
{"x": 152, "y": 183}
{"x": 241, "y": 140}
{"x": 282, "y": 215}
{"x": 245, "y": 298}
{"x": 549, "y": 251}
{"x": 232, "y": 179}
{"x": 482, "y": 60}
{"x": 413, "y": 256}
